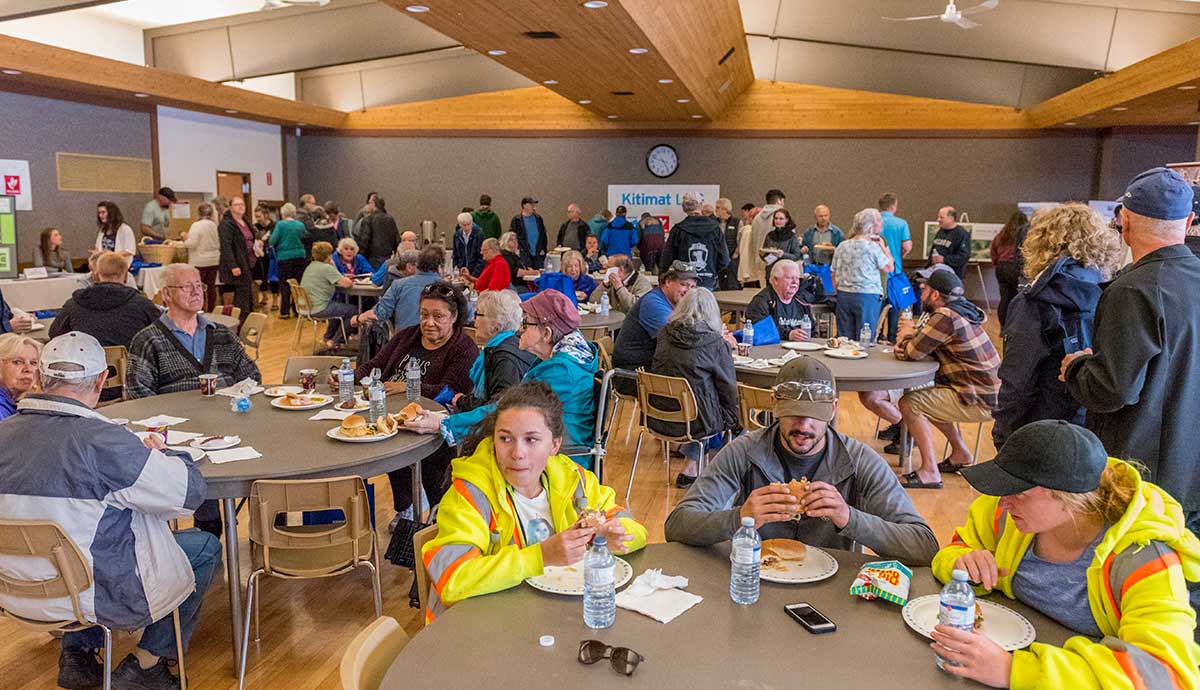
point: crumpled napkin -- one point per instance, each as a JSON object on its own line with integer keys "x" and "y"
{"x": 759, "y": 364}
{"x": 658, "y": 596}
{"x": 239, "y": 389}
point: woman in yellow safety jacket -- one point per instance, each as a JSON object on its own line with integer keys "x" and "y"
{"x": 1081, "y": 538}
{"x": 514, "y": 504}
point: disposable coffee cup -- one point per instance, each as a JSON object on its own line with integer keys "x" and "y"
{"x": 208, "y": 385}
{"x": 308, "y": 380}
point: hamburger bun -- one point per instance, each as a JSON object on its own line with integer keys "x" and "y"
{"x": 410, "y": 412}
{"x": 799, "y": 489}
{"x": 386, "y": 424}
{"x": 777, "y": 550}
{"x": 978, "y": 616}
{"x": 593, "y": 519}
{"x": 355, "y": 426}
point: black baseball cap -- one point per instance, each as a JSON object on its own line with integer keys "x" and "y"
{"x": 167, "y": 192}
{"x": 942, "y": 278}
{"x": 1050, "y": 453}
{"x": 528, "y": 200}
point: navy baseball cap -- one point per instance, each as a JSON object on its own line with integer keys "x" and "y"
{"x": 1159, "y": 193}
{"x": 1051, "y": 453}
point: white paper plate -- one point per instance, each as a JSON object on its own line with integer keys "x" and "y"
{"x": 318, "y": 400}
{"x": 846, "y": 354}
{"x": 196, "y": 453}
{"x": 280, "y": 391}
{"x": 816, "y": 566}
{"x": 804, "y": 346}
{"x": 221, "y": 443}
{"x": 1005, "y": 627}
{"x": 568, "y": 579}
{"x": 37, "y": 326}
{"x": 336, "y": 434}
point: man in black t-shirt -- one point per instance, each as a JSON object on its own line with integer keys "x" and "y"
{"x": 785, "y": 301}
{"x": 952, "y": 243}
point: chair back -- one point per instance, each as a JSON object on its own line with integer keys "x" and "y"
{"x": 657, "y": 386}
{"x": 755, "y": 406}
{"x": 604, "y": 346}
{"x": 419, "y": 541}
{"x": 300, "y": 298}
{"x": 881, "y": 325}
{"x": 310, "y": 550}
{"x": 45, "y": 540}
{"x": 371, "y": 654}
{"x": 594, "y": 334}
{"x": 291, "y": 371}
{"x": 251, "y": 333}
{"x": 231, "y": 312}
{"x": 117, "y": 359}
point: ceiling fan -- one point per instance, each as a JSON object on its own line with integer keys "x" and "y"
{"x": 280, "y": 4}
{"x": 953, "y": 15}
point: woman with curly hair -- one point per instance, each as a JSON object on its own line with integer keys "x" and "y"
{"x": 1069, "y": 250}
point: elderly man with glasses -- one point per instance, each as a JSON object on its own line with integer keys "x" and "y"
{"x": 852, "y": 494}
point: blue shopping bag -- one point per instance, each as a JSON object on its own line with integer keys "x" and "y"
{"x": 765, "y": 332}
{"x": 558, "y": 281}
{"x": 900, "y": 292}
{"x": 823, "y": 272}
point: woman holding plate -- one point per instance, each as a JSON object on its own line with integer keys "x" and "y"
{"x": 1080, "y": 537}
{"x": 512, "y": 487}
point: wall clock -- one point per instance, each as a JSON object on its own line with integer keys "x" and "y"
{"x": 662, "y": 160}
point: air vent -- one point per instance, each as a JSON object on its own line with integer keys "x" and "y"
{"x": 541, "y": 34}
{"x": 622, "y": 93}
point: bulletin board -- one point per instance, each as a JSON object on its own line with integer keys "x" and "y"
{"x": 8, "y": 237}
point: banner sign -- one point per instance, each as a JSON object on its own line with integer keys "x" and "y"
{"x": 14, "y": 175}
{"x": 659, "y": 200}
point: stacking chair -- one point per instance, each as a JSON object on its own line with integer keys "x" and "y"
{"x": 422, "y": 574}
{"x": 231, "y": 312}
{"x": 653, "y": 387}
{"x": 251, "y": 333}
{"x": 304, "y": 311}
{"x": 371, "y": 653}
{"x": 595, "y": 334}
{"x": 307, "y": 551}
{"x": 117, "y": 358}
{"x": 46, "y": 541}
{"x": 756, "y": 407}
{"x": 605, "y": 347}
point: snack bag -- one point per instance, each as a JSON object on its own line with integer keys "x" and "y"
{"x": 887, "y": 580}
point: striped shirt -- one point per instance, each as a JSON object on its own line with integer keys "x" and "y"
{"x": 968, "y": 360}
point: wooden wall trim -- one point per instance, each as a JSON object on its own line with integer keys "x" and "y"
{"x": 702, "y": 133}
{"x": 154, "y": 155}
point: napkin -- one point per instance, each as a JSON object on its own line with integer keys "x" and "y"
{"x": 332, "y": 414}
{"x": 175, "y": 438}
{"x": 233, "y": 454}
{"x": 239, "y": 389}
{"x": 160, "y": 420}
{"x": 759, "y": 364}
{"x": 658, "y": 596}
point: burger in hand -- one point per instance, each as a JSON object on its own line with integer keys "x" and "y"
{"x": 798, "y": 489}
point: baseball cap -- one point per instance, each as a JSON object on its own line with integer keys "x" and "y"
{"x": 1050, "y": 453}
{"x": 167, "y": 192}
{"x": 528, "y": 200}
{"x": 1159, "y": 193}
{"x": 75, "y": 348}
{"x": 680, "y": 270}
{"x": 553, "y": 308}
{"x": 805, "y": 387}
{"x": 941, "y": 277}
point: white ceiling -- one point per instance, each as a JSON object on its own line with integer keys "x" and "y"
{"x": 149, "y": 14}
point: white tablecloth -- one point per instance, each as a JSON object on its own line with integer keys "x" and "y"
{"x": 151, "y": 280}
{"x": 41, "y": 293}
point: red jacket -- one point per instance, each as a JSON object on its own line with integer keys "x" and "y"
{"x": 495, "y": 275}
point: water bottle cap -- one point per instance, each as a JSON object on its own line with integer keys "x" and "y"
{"x": 960, "y": 576}
{"x": 546, "y": 640}
{"x": 599, "y": 540}
{"x": 747, "y": 522}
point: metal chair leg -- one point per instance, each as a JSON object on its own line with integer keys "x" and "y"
{"x": 377, "y": 587}
{"x": 250, "y": 594}
{"x": 107, "y": 657}
{"x": 978, "y": 439}
{"x": 632, "y": 470}
{"x": 257, "y": 629}
{"x": 179, "y": 651}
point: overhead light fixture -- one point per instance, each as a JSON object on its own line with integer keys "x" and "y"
{"x": 1069, "y": 124}
{"x": 595, "y": 4}
{"x": 1187, "y": 87}
{"x": 612, "y": 117}
{"x": 141, "y": 95}
{"x": 639, "y": 51}
{"x": 550, "y": 82}
{"x": 666, "y": 81}
{"x": 231, "y": 111}
{"x": 697, "y": 117}
{"x": 683, "y": 100}
{"x": 584, "y": 102}
{"x": 416, "y": 9}
{"x": 497, "y": 53}
{"x": 11, "y": 71}
{"x": 1120, "y": 109}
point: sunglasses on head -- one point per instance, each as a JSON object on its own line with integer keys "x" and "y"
{"x": 624, "y": 660}
{"x": 817, "y": 391}
{"x": 439, "y": 289}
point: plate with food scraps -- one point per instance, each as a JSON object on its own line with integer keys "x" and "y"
{"x": 216, "y": 442}
{"x": 841, "y": 353}
{"x": 803, "y": 346}
{"x": 292, "y": 401}
{"x": 356, "y": 404}
{"x": 37, "y": 326}
{"x": 741, "y": 361}
{"x": 356, "y": 429}
{"x": 568, "y": 579}
{"x": 280, "y": 391}
{"x": 816, "y": 565}
{"x": 1002, "y": 625}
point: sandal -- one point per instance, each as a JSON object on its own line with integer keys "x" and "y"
{"x": 947, "y": 467}
{"x": 912, "y": 481}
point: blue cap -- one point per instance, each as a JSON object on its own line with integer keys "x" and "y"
{"x": 1159, "y": 193}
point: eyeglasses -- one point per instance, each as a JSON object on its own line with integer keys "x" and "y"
{"x": 817, "y": 391}
{"x": 624, "y": 660}
{"x": 189, "y": 287}
{"x": 530, "y": 324}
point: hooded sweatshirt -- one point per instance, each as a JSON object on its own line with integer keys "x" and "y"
{"x": 1136, "y": 590}
{"x": 112, "y": 313}
{"x": 1049, "y": 319}
{"x": 701, "y": 356}
{"x": 785, "y": 239}
{"x": 954, "y": 335}
{"x": 619, "y": 237}
{"x": 488, "y": 221}
{"x": 698, "y": 242}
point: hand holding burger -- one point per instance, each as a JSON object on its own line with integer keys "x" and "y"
{"x": 823, "y": 500}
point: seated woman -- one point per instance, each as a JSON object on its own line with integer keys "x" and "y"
{"x": 1082, "y": 538}
{"x": 569, "y": 363}
{"x": 51, "y": 253}
{"x": 322, "y": 280}
{"x": 573, "y": 267}
{"x": 19, "y": 355}
{"x": 516, "y": 503}
{"x": 510, "y": 249}
{"x": 692, "y": 346}
{"x": 349, "y": 262}
{"x": 502, "y": 363}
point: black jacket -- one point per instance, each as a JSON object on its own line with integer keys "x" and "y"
{"x": 1046, "y": 321}
{"x": 955, "y": 247}
{"x": 233, "y": 250}
{"x": 379, "y": 236}
{"x": 504, "y": 365}
{"x": 703, "y": 358}
{"x": 697, "y": 240}
{"x": 528, "y": 254}
{"x": 767, "y": 302}
{"x": 581, "y": 231}
{"x": 514, "y": 262}
{"x": 319, "y": 233}
{"x": 109, "y": 312}
{"x": 1140, "y": 388}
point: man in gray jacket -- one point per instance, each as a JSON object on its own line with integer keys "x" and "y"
{"x": 853, "y": 496}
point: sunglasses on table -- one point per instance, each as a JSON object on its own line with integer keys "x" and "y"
{"x": 623, "y": 659}
{"x": 817, "y": 391}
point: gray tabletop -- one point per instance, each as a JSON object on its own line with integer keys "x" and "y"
{"x": 492, "y": 641}
{"x": 42, "y": 334}
{"x": 879, "y": 371}
{"x": 735, "y": 300}
{"x": 592, "y": 320}
{"x": 361, "y": 290}
{"x": 292, "y": 446}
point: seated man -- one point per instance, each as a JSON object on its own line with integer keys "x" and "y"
{"x": 785, "y": 302}
{"x": 109, "y": 310}
{"x": 495, "y": 275}
{"x": 625, "y": 286}
{"x": 853, "y": 496}
{"x": 636, "y": 341}
{"x": 401, "y": 303}
{"x": 402, "y": 264}
{"x": 113, "y": 496}
{"x": 966, "y": 387}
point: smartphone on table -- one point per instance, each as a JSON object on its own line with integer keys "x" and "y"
{"x": 813, "y": 620}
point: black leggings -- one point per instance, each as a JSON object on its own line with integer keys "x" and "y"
{"x": 435, "y": 477}
{"x": 1008, "y": 276}
{"x": 289, "y": 268}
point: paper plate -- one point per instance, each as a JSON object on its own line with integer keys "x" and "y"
{"x": 816, "y": 566}
{"x": 568, "y": 579}
{"x": 359, "y": 404}
{"x": 336, "y": 434}
{"x": 846, "y": 354}
{"x": 196, "y": 453}
{"x": 318, "y": 400}
{"x": 218, "y": 443}
{"x": 803, "y": 346}
{"x": 1005, "y": 627}
{"x": 280, "y": 391}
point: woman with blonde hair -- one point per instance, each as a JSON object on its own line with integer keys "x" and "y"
{"x": 573, "y": 267}
{"x": 19, "y": 355}
{"x": 1068, "y": 251}
{"x": 1080, "y": 537}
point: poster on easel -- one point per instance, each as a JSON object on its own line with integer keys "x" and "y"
{"x": 8, "y": 236}
{"x": 982, "y": 235}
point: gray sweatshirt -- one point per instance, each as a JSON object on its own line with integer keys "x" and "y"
{"x": 882, "y": 516}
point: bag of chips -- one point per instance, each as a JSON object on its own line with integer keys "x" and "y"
{"x": 888, "y": 580}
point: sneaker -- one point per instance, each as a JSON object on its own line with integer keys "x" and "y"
{"x": 129, "y": 675}
{"x": 891, "y": 433}
{"x": 893, "y": 448}
{"x": 395, "y": 521}
{"x": 683, "y": 481}
{"x": 79, "y": 669}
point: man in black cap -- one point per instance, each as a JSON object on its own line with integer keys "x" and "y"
{"x": 852, "y": 494}
{"x": 1141, "y": 386}
{"x": 156, "y": 214}
{"x": 531, "y": 233}
{"x": 697, "y": 241}
{"x": 637, "y": 339}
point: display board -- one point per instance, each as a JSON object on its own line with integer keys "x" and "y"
{"x": 8, "y": 236}
{"x": 659, "y": 200}
{"x": 982, "y": 235}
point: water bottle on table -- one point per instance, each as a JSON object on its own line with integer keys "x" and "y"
{"x": 864, "y": 337}
{"x": 744, "y": 557}
{"x": 806, "y": 325}
{"x": 599, "y": 590}
{"x": 957, "y": 608}
{"x": 412, "y": 380}
{"x": 345, "y": 382}
{"x": 605, "y": 305}
{"x": 748, "y": 332}
{"x": 377, "y": 396}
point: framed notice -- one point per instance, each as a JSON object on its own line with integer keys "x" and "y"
{"x": 8, "y": 236}
{"x": 982, "y": 235}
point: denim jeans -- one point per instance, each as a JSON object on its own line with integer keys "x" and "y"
{"x": 335, "y": 312}
{"x": 204, "y": 553}
{"x": 691, "y": 451}
{"x": 893, "y": 324}
{"x": 853, "y": 310}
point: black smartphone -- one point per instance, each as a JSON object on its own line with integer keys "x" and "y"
{"x": 813, "y": 620}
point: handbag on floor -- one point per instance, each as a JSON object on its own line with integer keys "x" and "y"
{"x": 400, "y": 548}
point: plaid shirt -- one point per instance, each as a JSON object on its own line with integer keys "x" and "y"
{"x": 968, "y": 360}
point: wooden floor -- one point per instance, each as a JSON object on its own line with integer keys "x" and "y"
{"x": 306, "y": 626}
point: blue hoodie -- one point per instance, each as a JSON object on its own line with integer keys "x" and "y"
{"x": 1047, "y": 320}
{"x": 620, "y": 237}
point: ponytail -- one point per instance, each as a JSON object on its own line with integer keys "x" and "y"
{"x": 1110, "y": 500}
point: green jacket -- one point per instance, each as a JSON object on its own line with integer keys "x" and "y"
{"x": 488, "y": 221}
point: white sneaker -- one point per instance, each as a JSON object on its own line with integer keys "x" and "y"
{"x": 392, "y": 525}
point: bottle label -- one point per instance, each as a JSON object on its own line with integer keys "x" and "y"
{"x": 599, "y": 576}
{"x": 745, "y": 555}
{"x": 956, "y": 616}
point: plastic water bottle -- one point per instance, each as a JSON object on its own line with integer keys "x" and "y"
{"x": 599, "y": 592}
{"x": 957, "y": 608}
{"x": 412, "y": 380}
{"x": 748, "y": 332}
{"x": 472, "y": 304}
{"x": 605, "y": 305}
{"x": 377, "y": 396}
{"x": 864, "y": 337}
{"x": 745, "y": 559}
{"x": 806, "y": 325}
{"x": 345, "y": 381}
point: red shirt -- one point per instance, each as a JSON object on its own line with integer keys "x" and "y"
{"x": 495, "y": 275}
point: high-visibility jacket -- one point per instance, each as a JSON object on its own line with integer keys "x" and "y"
{"x": 1137, "y": 591}
{"x": 480, "y": 549}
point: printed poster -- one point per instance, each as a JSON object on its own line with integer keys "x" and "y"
{"x": 982, "y": 235}
{"x": 659, "y": 200}
{"x": 14, "y": 175}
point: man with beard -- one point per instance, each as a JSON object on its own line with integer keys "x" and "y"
{"x": 852, "y": 497}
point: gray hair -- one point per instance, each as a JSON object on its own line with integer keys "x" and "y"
{"x": 785, "y": 263}
{"x": 465, "y": 218}
{"x": 622, "y": 262}
{"x": 503, "y": 306}
{"x": 77, "y": 386}
{"x": 1162, "y": 229}
{"x": 409, "y": 257}
{"x": 864, "y": 221}
{"x": 697, "y": 309}
{"x": 490, "y": 243}
{"x": 175, "y": 271}
{"x": 725, "y": 204}
{"x": 504, "y": 239}
{"x": 347, "y": 242}
{"x": 690, "y": 203}
{"x": 288, "y": 210}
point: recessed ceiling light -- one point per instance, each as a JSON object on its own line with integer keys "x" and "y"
{"x": 1188, "y": 87}
{"x": 639, "y": 51}
{"x": 1069, "y": 124}
{"x": 666, "y": 81}
{"x": 1120, "y": 109}
{"x": 301, "y": 124}
{"x": 230, "y": 111}
{"x": 141, "y": 95}
{"x": 612, "y": 117}
{"x": 550, "y": 82}
{"x": 11, "y": 71}
{"x": 697, "y": 117}
{"x": 416, "y": 9}
{"x": 1194, "y": 122}
{"x": 683, "y": 100}
{"x": 584, "y": 102}
{"x": 497, "y": 53}
{"x": 595, "y": 4}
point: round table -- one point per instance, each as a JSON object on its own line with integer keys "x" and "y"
{"x": 292, "y": 447}
{"x": 737, "y": 301}
{"x": 492, "y": 640}
{"x": 610, "y": 322}
{"x": 42, "y": 334}
{"x": 361, "y": 290}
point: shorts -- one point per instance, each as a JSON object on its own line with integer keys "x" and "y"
{"x": 942, "y": 404}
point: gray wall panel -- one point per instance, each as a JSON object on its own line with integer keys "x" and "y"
{"x": 203, "y": 54}
{"x": 1127, "y": 151}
